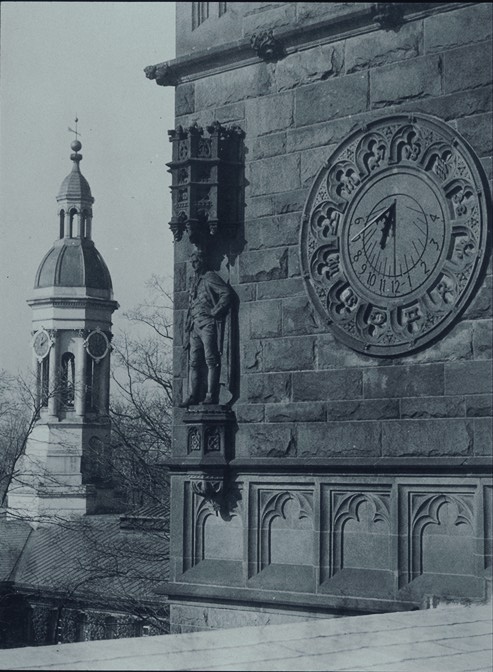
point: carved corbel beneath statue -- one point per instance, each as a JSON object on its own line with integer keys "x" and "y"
{"x": 163, "y": 73}
{"x": 206, "y": 182}
{"x": 267, "y": 47}
{"x": 388, "y": 15}
{"x": 211, "y": 488}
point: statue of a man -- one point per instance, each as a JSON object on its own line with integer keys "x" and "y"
{"x": 210, "y": 300}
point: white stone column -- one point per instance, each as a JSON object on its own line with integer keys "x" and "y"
{"x": 80, "y": 379}
{"x": 37, "y": 379}
{"x": 53, "y": 382}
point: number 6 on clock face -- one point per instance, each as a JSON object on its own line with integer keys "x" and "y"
{"x": 394, "y": 234}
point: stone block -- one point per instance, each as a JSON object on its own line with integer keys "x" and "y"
{"x": 333, "y": 354}
{"x": 483, "y": 436}
{"x": 478, "y": 131}
{"x": 273, "y": 231}
{"x": 368, "y": 51}
{"x": 456, "y": 345}
{"x": 249, "y": 412}
{"x": 301, "y": 412}
{"x": 432, "y": 407}
{"x": 259, "y": 206}
{"x": 294, "y": 267}
{"x": 268, "y": 387}
{"x": 479, "y": 405}
{"x": 278, "y": 289}
{"x": 180, "y": 277}
{"x": 233, "y": 86}
{"x": 230, "y": 113}
{"x": 246, "y": 293}
{"x": 334, "y": 98}
{"x": 261, "y": 265}
{"x": 483, "y": 339}
{"x": 180, "y": 300}
{"x": 268, "y": 145}
{"x": 407, "y": 80}
{"x": 252, "y": 356}
{"x": 481, "y": 305}
{"x": 270, "y": 176}
{"x": 320, "y": 135}
{"x": 447, "y": 30}
{"x": 268, "y": 16}
{"x": 363, "y": 409}
{"x": 290, "y": 201}
{"x": 327, "y": 385}
{"x": 431, "y": 438}
{"x": 468, "y": 378}
{"x": 467, "y": 68}
{"x": 312, "y": 160}
{"x": 339, "y": 439}
{"x": 184, "y": 99}
{"x": 310, "y": 12}
{"x": 487, "y": 164}
{"x": 295, "y": 353}
{"x": 178, "y": 326}
{"x": 299, "y": 317}
{"x": 265, "y": 318}
{"x": 454, "y": 105}
{"x": 266, "y": 440}
{"x": 311, "y": 65}
{"x": 270, "y": 113}
{"x": 403, "y": 381}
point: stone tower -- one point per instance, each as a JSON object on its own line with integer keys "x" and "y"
{"x": 64, "y": 468}
{"x": 358, "y": 441}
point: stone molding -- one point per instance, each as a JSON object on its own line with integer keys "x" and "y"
{"x": 239, "y": 54}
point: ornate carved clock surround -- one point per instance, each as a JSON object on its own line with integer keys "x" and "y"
{"x": 394, "y": 234}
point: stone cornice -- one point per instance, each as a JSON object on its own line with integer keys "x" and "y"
{"x": 365, "y": 18}
{"x": 74, "y": 302}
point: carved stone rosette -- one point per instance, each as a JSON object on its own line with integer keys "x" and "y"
{"x": 206, "y": 181}
{"x": 394, "y": 234}
{"x": 267, "y": 47}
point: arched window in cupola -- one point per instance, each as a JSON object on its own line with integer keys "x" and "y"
{"x": 83, "y": 223}
{"x": 73, "y": 215}
{"x": 62, "y": 223}
{"x": 67, "y": 381}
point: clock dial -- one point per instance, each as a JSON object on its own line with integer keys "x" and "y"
{"x": 394, "y": 243}
{"x": 394, "y": 234}
{"x": 97, "y": 344}
{"x": 42, "y": 344}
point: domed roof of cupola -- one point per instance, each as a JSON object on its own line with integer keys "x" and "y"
{"x": 73, "y": 262}
{"x": 75, "y": 187}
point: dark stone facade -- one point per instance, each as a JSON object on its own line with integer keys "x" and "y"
{"x": 357, "y": 483}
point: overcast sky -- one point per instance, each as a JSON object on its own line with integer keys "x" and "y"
{"x": 59, "y": 59}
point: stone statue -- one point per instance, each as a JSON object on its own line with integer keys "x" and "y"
{"x": 210, "y": 300}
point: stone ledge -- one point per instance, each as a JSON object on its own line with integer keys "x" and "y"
{"x": 239, "y": 53}
{"x": 186, "y": 592}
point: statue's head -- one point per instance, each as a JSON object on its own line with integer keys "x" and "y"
{"x": 199, "y": 263}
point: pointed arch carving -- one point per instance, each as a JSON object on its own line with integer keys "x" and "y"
{"x": 346, "y": 506}
{"x": 273, "y": 506}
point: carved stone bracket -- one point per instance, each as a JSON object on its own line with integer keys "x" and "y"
{"x": 206, "y": 181}
{"x": 163, "y": 73}
{"x": 267, "y": 47}
{"x": 211, "y": 488}
{"x": 388, "y": 15}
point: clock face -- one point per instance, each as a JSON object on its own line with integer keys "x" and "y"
{"x": 394, "y": 234}
{"x": 97, "y": 344}
{"x": 42, "y": 344}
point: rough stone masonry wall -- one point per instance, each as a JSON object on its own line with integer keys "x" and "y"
{"x": 301, "y": 390}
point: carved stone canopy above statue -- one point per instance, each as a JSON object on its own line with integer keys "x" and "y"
{"x": 394, "y": 234}
{"x": 206, "y": 173}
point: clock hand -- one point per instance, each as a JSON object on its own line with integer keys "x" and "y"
{"x": 368, "y": 224}
{"x": 388, "y": 225}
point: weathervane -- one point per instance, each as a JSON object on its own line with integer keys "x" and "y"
{"x": 76, "y": 131}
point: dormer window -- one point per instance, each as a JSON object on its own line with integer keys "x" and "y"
{"x": 200, "y": 12}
